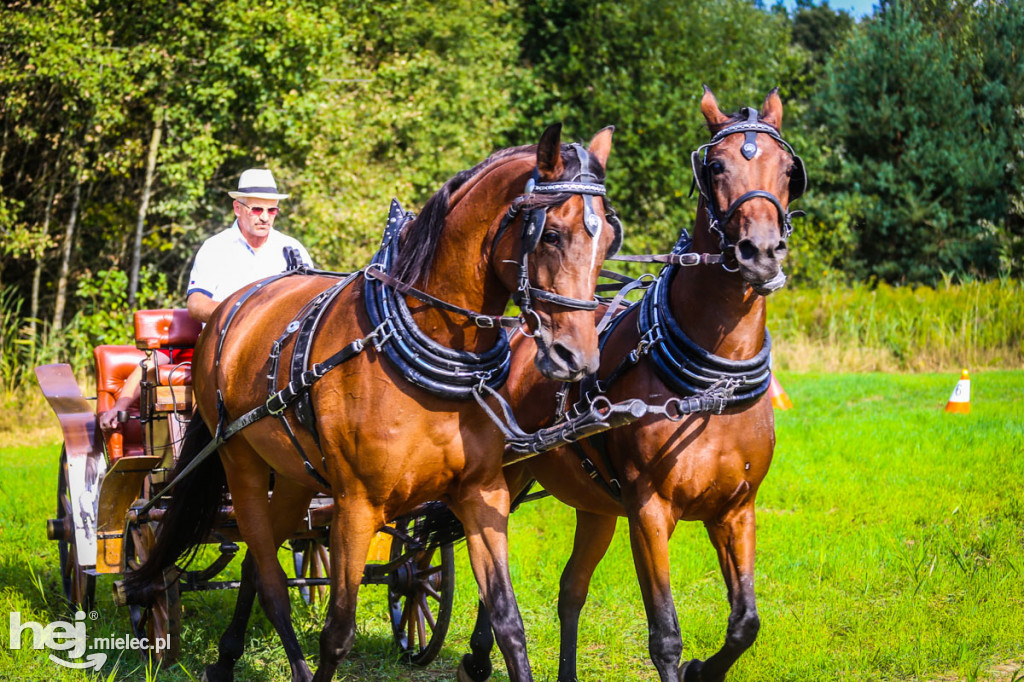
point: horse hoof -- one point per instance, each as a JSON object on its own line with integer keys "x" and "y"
{"x": 214, "y": 673}
{"x": 690, "y": 671}
{"x": 463, "y": 675}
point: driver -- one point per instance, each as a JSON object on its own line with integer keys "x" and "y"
{"x": 248, "y": 251}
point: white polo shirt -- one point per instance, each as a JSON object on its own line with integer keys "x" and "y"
{"x": 225, "y": 262}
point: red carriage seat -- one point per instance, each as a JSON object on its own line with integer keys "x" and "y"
{"x": 172, "y": 333}
{"x": 113, "y": 366}
{"x": 171, "y": 328}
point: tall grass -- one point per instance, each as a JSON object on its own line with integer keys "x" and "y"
{"x": 883, "y": 328}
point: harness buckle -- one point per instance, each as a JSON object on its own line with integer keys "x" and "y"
{"x": 382, "y": 334}
{"x": 649, "y": 338}
{"x": 276, "y": 404}
{"x": 484, "y": 322}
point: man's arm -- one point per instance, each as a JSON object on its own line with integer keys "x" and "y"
{"x": 201, "y": 306}
{"x": 129, "y": 396}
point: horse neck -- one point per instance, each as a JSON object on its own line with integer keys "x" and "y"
{"x": 714, "y": 307}
{"x": 461, "y": 272}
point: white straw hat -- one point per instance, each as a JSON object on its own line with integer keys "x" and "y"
{"x": 258, "y": 183}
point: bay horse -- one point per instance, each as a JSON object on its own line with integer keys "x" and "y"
{"x": 678, "y": 466}
{"x": 389, "y": 436}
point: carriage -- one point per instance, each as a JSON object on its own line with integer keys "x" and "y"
{"x": 103, "y": 526}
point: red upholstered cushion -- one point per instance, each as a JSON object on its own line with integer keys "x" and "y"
{"x": 113, "y": 366}
{"x": 166, "y": 328}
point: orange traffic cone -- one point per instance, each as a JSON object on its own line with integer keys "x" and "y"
{"x": 960, "y": 401}
{"x": 780, "y": 401}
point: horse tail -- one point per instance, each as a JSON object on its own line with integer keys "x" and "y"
{"x": 192, "y": 511}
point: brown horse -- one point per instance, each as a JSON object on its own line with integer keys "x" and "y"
{"x": 384, "y": 441}
{"x": 699, "y": 466}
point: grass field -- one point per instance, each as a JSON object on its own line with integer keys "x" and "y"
{"x": 891, "y": 548}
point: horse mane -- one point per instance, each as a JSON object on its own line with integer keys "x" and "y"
{"x": 420, "y": 236}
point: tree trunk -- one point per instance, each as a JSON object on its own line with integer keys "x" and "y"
{"x": 37, "y": 274}
{"x": 154, "y": 147}
{"x": 65, "y": 263}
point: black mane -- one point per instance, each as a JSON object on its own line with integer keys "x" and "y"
{"x": 420, "y": 237}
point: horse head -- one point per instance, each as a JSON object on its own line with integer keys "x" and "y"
{"x": 747, "y": 176}
{"x": 567, "y": 230}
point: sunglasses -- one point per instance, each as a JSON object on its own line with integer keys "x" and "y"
{"x": 258, "y": 210}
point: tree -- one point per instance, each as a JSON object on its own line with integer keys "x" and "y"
{"x": 919, "y": 107}
{"x": 640, "y": 65}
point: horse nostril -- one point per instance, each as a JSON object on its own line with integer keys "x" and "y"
{"x": 567, "y": 355}
{"x": 745, "y": 250}
{"x": 781, "y": 249}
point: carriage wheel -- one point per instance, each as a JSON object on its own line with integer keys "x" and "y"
{"x": 79, "y": 586}
{"x": 159, "y": 623}
{"x": 311, "y": 561}
{"x": 420, "y": 593}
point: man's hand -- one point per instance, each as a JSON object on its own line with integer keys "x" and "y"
{"x": 108, "y": 420}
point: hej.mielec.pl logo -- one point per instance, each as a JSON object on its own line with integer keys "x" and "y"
{"x": 62, "y": 636}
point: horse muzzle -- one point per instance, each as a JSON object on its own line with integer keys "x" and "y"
{"x": 760, "y": 262}
{"x": 563, "y": 361}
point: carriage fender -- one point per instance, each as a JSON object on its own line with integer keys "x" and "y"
{"x": 83, "y": 449}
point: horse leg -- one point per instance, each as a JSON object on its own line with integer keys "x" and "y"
{"x": 649, "y": 531}
{"x": 594, "y": 534}
{"x": 287, "y": 506}
{"x": 249, "y": 482}
{"x": 353, "y": 526}
{"x": 734, "y": 538}
{"x": 485, "y": 517}
{"x": 476, "y": 666}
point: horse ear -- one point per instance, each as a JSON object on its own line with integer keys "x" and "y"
{"x": 549, "y": 152}
{"x": 709, "y": 107}
{"x": 601, "y": 145}
{"x": 771, "y": 110}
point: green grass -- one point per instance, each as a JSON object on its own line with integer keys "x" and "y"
{"x": 885, "y": 328}
{"x": 891, "y": 548}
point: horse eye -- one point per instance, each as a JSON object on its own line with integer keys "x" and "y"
{"x": 551, "y": 237}
{"x": 717, "y": 167}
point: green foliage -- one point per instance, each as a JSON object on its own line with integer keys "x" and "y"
{"x": 919, "y": 106}
{"x": 421, "y": 93}
{"x": 640, "y": 65}
{"x": 819, "y": 28}
{"x": 910, "y": 122}
{"x": 867, "y": 328}
{"x": 104, "y": 316}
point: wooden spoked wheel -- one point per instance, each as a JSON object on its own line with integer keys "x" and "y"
{"x": 79, "y": 586}
{"x": 160, "y": 622}
{"x": 311, "y": 561}
{"x": 420, "y": 593}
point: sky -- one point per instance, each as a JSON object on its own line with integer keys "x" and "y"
{"x": 858, "y": 8}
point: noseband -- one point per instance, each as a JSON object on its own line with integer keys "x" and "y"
{"x": 718, "y": 220}
{"x": 587, "y": 185}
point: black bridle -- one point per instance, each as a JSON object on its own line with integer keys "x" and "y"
{"x": 585, "y": 184}
{"x": 717, "y": 219}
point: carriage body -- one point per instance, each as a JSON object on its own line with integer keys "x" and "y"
{"x": 103, "y": 482}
